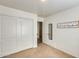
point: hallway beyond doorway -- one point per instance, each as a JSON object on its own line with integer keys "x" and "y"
{"x": 39, "y": 32}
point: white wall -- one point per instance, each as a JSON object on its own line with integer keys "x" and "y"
{"x": 15, "y": 12}
{"x": 0, "y": 35}
{"x": 40, "y": 19}
{"x": 13, "y": 17}
{"x": 66, "y": 39}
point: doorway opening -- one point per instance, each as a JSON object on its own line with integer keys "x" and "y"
{"x": 39, "y": 32}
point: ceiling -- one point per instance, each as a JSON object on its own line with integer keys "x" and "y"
{"x": 42, "y": 9}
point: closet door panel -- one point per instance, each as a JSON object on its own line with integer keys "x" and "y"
{"x": 25, "y": 41}
{"x": 19, "y": 35}
{"x": 0, "y": 38}
{"x": 9, "y": 35}
{"x": 27, "y": 33}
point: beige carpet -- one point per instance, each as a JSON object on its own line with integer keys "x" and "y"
{"x": 42, "y": 51}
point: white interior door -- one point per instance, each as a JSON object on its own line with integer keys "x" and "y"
{"x": 9, "y": 35}
{"x": 0, "y": 37}
{"x": 25, "y": 31}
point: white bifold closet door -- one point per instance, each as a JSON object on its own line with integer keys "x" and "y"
{"x": 25, "y": 33}
{"x": 16, "y": 34}
{"x": 9, "y": 35}
{"x": 0, "y": 38}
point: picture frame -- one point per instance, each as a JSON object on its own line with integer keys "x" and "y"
{"x": 72, "y": 24}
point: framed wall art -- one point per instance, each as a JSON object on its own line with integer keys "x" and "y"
{"x": 72, "y": 24}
